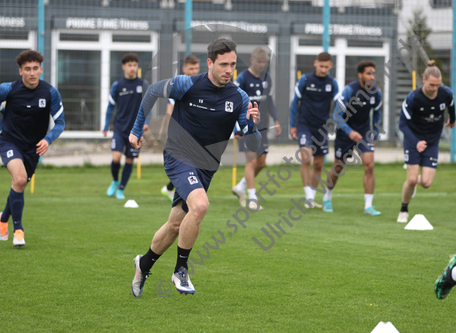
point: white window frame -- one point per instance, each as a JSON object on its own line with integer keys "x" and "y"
{"x": 341, "y": 51}
{"x": 105, "y": 45}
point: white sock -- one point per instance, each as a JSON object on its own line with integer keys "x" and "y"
{"x": 242, "y": 185}
{"x": 252, "y": 193}
{"x": 368, "y": 200}
{"x": 453, "y": 274}
{"x": 328, "y": 195}
{"x": 310, "y": 194}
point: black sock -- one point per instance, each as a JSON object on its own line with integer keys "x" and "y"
{"x": 170, "y": 186}
{"x": 404, "y": 207}
{"x": 115, "y": 167}
{"x": 126, "y": 173}
{"x": 148, "y": 260}
{"x": 182, "y": 257}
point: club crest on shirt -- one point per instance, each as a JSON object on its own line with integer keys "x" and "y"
{"x": 265, "y": 84}
{"x": 328, "y": 88}
{"x": 442, "y": 106}
{"x": 139, "y": 89}
{"x": 372, "y": 100}
{"x": 229, "y": 106}
{"x": 192, "y": 180}
{"x": 42, "y": 103}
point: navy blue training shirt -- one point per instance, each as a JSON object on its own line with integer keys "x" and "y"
{"x": 126, "y": 95}
{"x": 27, "y": 113}
{"x": 316, "y": 94}
{"x": 259, "y": 89}
{"x": 356, "y": 103}
{"x": 203, "y": 118}
{"x": 422, "y": 118}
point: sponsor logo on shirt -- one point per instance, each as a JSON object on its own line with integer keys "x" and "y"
{"x": 42, "y": 103}
{"x": 126, "y": 92}
{"x": 229, "y": 106}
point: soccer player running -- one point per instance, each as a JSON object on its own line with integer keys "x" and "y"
{"x": 30, "y": 104}
{"x": 352, "y": 114}
{"x": 310, "y": 109}
{"x": 257, "y": 83}
{"x": 207, "y": 107}
{"x": 191, "y": 67}
{"x": 422, "y": 121}
{"x": 126, "y": 93}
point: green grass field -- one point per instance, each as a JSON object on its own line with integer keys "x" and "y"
{"x": 339, "y": 272}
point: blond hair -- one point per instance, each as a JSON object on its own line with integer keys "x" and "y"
{"x": 432, "y": 69}
{"x": 259, "y": 53}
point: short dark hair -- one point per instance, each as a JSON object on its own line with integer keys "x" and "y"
{"x": 130, "y": 57}
{"x": 220, "y": 46}
{"x": 363, "y": 64}
{"x": 324, "y": 56}
{"x": 191, "y": 60}
{"x": 28, "y": 56}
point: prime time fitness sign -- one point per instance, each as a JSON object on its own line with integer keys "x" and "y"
{"x": 94, "y": 23}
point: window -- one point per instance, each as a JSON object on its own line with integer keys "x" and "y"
{"x": 440, "y": 3}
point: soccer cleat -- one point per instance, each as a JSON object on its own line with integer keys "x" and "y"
{"x": 327, "y": 206}
{"x": 137, "y": 286}
{"x": 444, "y": 282}
{"x": 182, "y": 281}
{"x": 112, "y": 188}
{"x": 167, "y": 193}
{"x": 371, "y": 211}
{"x": 403, "y": 217}
{"x": 240, "y": 195}
{"x": 314, "y": 204}
{"x": 18, "y": 239}
{"x": 3, "y": 230}
{"x": 253, "y": 205}
{"x": 120, "y": 194}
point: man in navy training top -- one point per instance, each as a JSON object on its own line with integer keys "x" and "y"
{"x": 352, "y": 114}
{"x": 30, "y": 104}
{"x": 309, "y": 111}
{"x": 422, "y": 122}
{"x": 207, "y": 107}
{"x": 126, "y": 93}
{"x": 257, "y": 83}
{"x": 191, "y": 67}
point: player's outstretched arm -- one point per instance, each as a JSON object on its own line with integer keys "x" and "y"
{"x": 110, "y": 109}
{"x": 252, "y": 136}
{"x": 174, "y": 87}
{"x": 451, "y": 121}
{"x": 57, "y": 116}
{"x": 406, "y": 117}
{"x": 299, "y": 91}
{"x": 340, "y": 109}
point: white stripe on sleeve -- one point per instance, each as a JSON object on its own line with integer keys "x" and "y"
{"x": 111, "y": 100}
{"x": 404, "y": 109}
{"x": 58, "y": 113}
